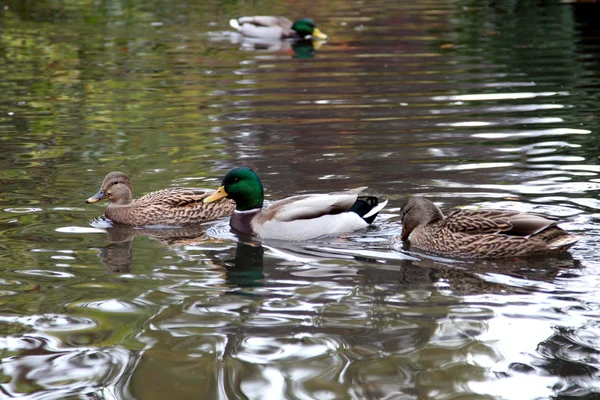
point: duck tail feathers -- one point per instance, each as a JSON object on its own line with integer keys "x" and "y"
{"x": 235, "y": 24}
{"x": 367, "y": 207}
{"x": 564, "y": 242}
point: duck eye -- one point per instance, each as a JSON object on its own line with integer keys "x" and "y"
{"x": 115, "y": 182}
{"x": 236, "y": 179}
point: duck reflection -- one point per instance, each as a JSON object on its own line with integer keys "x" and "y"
{"x": 461, "y": 277}
{"x": 504, "y": 276}
{"x": 118, "y": 254}
{"x": 245, "y": 270}
{"x": 304, "y": 48}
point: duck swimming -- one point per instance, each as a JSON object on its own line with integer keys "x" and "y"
{"x": 480, "y": 233}
{"x": 172, "y": 206}
{"x": 294, "y": 218}
{"x": 275, "y": 28}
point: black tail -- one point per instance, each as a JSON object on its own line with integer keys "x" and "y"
{"x": 367, "y": 207}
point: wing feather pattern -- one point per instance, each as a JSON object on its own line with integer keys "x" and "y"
{"x": 174, "y": 197}
{"x": 311, "y": 206}
{"x": 496, "y": 221}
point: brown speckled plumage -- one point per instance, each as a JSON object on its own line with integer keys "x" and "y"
{"x": 481, "y": 233}
{"x": 172, "y": 206}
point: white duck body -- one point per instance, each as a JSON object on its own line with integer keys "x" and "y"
{"x": 264, "y": 27}
{"x": 304, "y": 217}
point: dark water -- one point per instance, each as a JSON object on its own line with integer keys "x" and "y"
{"x": 468, "y": 103}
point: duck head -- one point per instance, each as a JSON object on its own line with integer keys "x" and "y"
{"x": 116, "y": 188}
{"x": 243, "y": 186}
{"x": 307, "y": 27}
{"x": 417, "y": 211}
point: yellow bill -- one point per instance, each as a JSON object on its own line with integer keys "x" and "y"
{"x": 216, "y": 196}
{"x": 318, "y": 34}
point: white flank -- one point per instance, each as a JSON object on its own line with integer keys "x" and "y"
{"x": 310, "y": 228}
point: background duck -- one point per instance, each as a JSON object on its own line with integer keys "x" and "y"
{"x": 294, "y": 218}
{"x": 172, "y": 206}
{"x": 480, "y": 233}
{"x": 274, "y": 28}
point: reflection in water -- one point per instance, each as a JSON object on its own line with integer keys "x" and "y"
{"x": 299, "y": 48}
{"x": 305, "y": 48}
{"x": 583, "y": 361}
{"x": 166, "y": 236}
{"x": 40, "y": 361}
{"x": 405, "y": 306}
{"x": 461, "y": 277}
{"x": 118, "y": 254}
{"x": 477, "y": 104}
{"x": 500, "y": 276}
{"x": 246, "y": 269}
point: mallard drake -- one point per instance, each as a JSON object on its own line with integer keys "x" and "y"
{"x": 274, "y": 28}
{"x": 480, "y": 233}
{"x": 172, "y": 206}
{"x": 294, "y": 218}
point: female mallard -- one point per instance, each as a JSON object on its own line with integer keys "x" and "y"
{"x": 274, "y": 28}
{"x": 173, "y": 206}
{"x": 294, "y": 218}
{"x": 480, "y": 233}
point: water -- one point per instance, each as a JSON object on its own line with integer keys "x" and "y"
{"x": 471, "y": 104}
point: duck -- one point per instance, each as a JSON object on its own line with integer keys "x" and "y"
{"x": 485, "y": 233}
{"x": 175, "y": 206}
{"x": 275, "y": 28}
{"x": 295, "y": 218}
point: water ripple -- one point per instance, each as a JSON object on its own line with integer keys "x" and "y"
{"x": 60, "y": 372}
{"x": 492, "y": 106}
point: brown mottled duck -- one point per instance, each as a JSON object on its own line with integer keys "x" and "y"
{"x": 480, "y": 233}
{"x": 173, "y": 206}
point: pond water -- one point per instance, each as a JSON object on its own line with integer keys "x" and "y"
{"x": 469, "y": 103}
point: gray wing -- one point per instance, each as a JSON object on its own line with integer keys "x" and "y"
{"x": 311, "y": 206}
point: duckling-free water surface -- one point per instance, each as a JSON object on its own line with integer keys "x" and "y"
{"x": 484, "y": 104}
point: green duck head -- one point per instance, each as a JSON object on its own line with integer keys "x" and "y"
{"x": 243, "y": 186}
{"x": 307, "y": 27}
